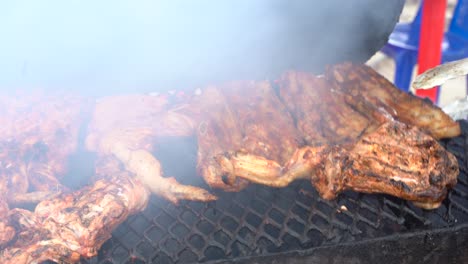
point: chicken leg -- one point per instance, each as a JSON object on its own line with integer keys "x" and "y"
{"x": 129, "y": 138}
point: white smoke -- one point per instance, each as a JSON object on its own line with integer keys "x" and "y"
{"x": 156, "y": 45}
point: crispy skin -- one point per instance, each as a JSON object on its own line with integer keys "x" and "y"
{"x": 3, "y": 207}
{"x": 322, "y": 115}
{"x": 241, "y": 116}
{"x": 246, "y": 133}
{"x": 394, "y": 159}
{"x": 267, "y": 126}
{"x": 7, "y": 232}
{"x": 38, "y": 133}
{"x": 218, "y": 130}
{"x": 353, "y": 143}
{"x": 74, "y": 225}
{"x": 128, "y": 136}
{"x": 362, "y": 84}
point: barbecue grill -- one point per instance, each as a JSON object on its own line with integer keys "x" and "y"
{"x": 291, "y": 225}
{"x": 262, "y": 224}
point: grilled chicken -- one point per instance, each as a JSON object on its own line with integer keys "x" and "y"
{"x": 266, "y": 125}
{"x": 38, "y": 133}
{"x": 247, "y": 132}
{"x": 244, "y": 116}
{"x": 7, "y": 232}
{"x": 362, "y": 84}
{"x": 128, "y": 136}
{"x": 348, "y": 130}
{"x": 362, "y": 147}
{"x": 74, "y": 225}
{"x": 217, "y": 130}
{"x": 393, "y": 159}
{"x": 322, "y": 115}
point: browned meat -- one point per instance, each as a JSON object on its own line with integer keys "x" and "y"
{"x": 218, "y": 130}
{"x": 267, "y": 126}
{"x": 353, "y": 143}
{"x": 337, "y": 131}
{"x": 322, "y": 115}
{"x": 3, "y": 207}
{"x": 245, "y": 116}
{"x": 74, "y": 225}
{"x": 7, "y": 232}
{"x": 38, "y": 133}
{"x": 394, "y": 159}
{"x": 362, "y": 84}
{"x": 128, "y": 136}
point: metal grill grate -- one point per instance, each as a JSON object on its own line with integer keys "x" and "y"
{"x": 261, "y": 220}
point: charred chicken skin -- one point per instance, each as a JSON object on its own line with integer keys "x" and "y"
{"x": 244, "y": 116}
{"x": 248, "y": 132}
{"x": 394, "y": 159}
{"x": 347, "y": 130}
{"x": 38, "y": 133}
{"x": 360, "y": 83}
{"x": 73, "y": 225}
{"x": 369, "y": 144}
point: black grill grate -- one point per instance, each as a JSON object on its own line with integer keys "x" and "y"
{"x": 262, "y": 220}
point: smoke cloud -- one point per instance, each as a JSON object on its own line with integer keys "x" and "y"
{"x": 104, "y": 47}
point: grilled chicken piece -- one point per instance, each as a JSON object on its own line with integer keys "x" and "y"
{"x": 362, "y": 144}
{"x": 362, "y": 84}
{"x": 217, "y": 130}
{"x": 128, "y": 136}
{"x": 266, "y": 124}
{"x": 7, "y": 232}
{"x": 394, "y": 159}
{"x": 74, "y": 225}
{"x": 38, "y": 133}
{"x": 322, "y": 115}
{"x": 244, "y": 116}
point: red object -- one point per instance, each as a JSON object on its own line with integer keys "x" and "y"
{"x": 430, "y": 44}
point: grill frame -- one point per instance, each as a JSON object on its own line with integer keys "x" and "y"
{"x": 262, "y": 224}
